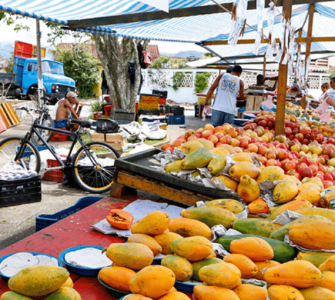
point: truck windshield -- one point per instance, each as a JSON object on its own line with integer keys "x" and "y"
{"x": 51, "y": 67}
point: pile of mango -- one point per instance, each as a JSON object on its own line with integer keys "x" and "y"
{"x": 43, "y": 281}
{"x": 258, "y": 253}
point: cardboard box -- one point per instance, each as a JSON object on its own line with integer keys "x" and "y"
{"x": 117, "y": 140}
{"x": 250, "y": 103}
{"x": 258, "y": 102}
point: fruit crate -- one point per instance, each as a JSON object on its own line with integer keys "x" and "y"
{"x": 59, "y": 137}
{"x": 117, "y": 140}
{"x": 54, "y": 175}
{"x": 21, "y": 191}
{"x": 177, "y": 110}
{"x": 175, "y": 120}
{"x": 43, "y": 221}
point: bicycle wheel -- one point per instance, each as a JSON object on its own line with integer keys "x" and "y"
{"x": 46, "y": 134}
{"x": 29, "y": 158}
{"x": 95, "y": 178}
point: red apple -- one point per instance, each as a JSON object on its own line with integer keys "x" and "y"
{"x": 294, "y": 173}
{"x": 322, "y": 168}
{"x": 330, "y": 141}
{"x": 192, "y": 138}
{"x": 232, "y": 132}
{"x": 295, "y": 154}
{"x": 299, "y": 136}
{"x": 306, "y": 172}
{"x": 235, "y": 142}
{"x": 198, "y": 135}
{"x": 219, "y": 135}
{"x": 305, "y": 130}
{"x": 253, "y": 148}
{"x": 213, "y": 139}
{"x": 282, "y": 154}
{"x": 243, "y": 142}
{"x": 271, "y": 162}
{"x": 226, "y": 139}
{"x": 270, "y": 155}
{"x": 314, "y": 168}
{"x": 328, "y": 176}
{"x": 287, "y": 131}
{"x": 327, "y": 184}
{"x": 295, "y": 131}
{"x": 319, "y": 137}
{"x": 177, "y": 143}
{"x": 290, "y": 165}
{"x": 305, "y": 160}
{"x": 262, "y": 149}
{"x": 263, "y": 160}
{"x": 207, "y": 133}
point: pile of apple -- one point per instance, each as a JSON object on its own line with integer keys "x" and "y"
{"x": 305, "y": 153}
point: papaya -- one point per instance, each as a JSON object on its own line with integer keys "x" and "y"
{"x": 38, "y": 280}
{"x": 207, "y": 144}
{"x": 173, "y": 167}
{"x": 272, "y": 173}
{"x": 229, "y": 148}
{"x": 14, "y": 296}
{"x": 217, "y": 164}
{"x": 317, "y": 293}
{"x": 248, "y": 189}
{"x": 117, "y": 277}
{"x": 165, "y": 240}
{"x": 213, "y": 254}
{"x": 190, "y": 227}
{"x": 205, "y": 262}
{"x": 137, "y": 297}
{"x": 308, "y": 185}
{"x": 315, "y": 180}
{"x": 232, "y": 205}
{"x": 259, "y": 206}
{"x": 120, "y": 219}
{"x": 297, "y": 273}
{"x": 283, "y": 252}
{"x": 175, "y": 296}
{"x": 245, "y": 264}
{"x": 314, "y": 235}
{"x": 249, "y": 291}
{"x": 152, "y": 281}
{"x": 220, "y": 151}
{"x": 316, "y": 258}
{"x": 153, "y": 223}
{"x": 68, "y": 283}
{"x": 285, "y": 191}
{"x": 327, "y": 213}
{"x": 199, "y": 158}
{"x": 262, "y": 266}
{"x": 64, "y": 293}
{"x": 280, "y": 233}
{"x": 130, "y": 255}
{"x": 203, "y": 292}
{"x": 312, "y": 195}
{"x": 147, "y": 240}
{"x": 181, "y": 267}
{"x": 325, "y": 200}
{"x": 220, "y": 275}
{"x": 211, "y": 216}
{"x": 329, "y": 264}
{"x": 328, "y": 281}
{"x": 256, "y": 226}
{"x": 253, "y": 247}
{"x": 244, "y": 156}
{"x": 292, "y": 205}
{"x": 228, "y": 182}
{"x": 295, "y": 179}
{"x": 192, "y": 248}
{"x": 189, "y": 147}
{"x": 244, "y": 168}
{"x": 281, "y": 292}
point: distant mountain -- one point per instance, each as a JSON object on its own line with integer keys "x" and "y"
{"x": 185, "y": 54}
{"x": 6, "y": 49}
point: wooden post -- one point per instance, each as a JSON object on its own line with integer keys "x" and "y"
{"x": 282, "y": 79}
{"x": 308, "y": 44}
{"x": 264, "y": 65}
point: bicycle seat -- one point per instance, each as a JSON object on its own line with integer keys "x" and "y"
{"x": 84, "y": 124}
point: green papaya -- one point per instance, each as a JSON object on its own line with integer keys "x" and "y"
{"x": 256, "y": 226}
{"x": 217, "y": 164}
{"x": 202, "y": 263}
{"x": 283, "y": 252}
{"x": 174, "y": 167}
{"x": 198, "y": 158}
{"x": 14, "y": 296}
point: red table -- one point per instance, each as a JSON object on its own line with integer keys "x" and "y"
{"x": 75, "y": 230}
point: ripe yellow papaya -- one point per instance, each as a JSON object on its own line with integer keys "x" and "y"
{"x": 137, "y": 297}
{"x": 316, "y": 180}
{"x": 316, "y": 258}
{"x": 217, "y": 164}
{"x": 153, "y": 223}
{"x": 199, "y": 158}
{"x": 245, "y": 264}
{"x": 327, "y": 213}
{"x": 165, "y": 240}
{"x": 244, "y": 156}
{"x": 308, "y": 185}
{"x": 249, "y": 291}
{"x": 244, "y": 168}
{"x": 328, "y": 281}
{"x": 271, "y": 173}
{"x": 203, "y": 292}
{"x": 262, "y": 266}
{"x": 205, "y": 262}
{"x": 220, "y": 151}
{"x": 285, "y": 191}
{"x": 181, "y": 267}
{"x": 14, "y": 296}
{"x": 146, "y": 240}
{"x": 295, "y": 179}
{"x": 117, "y": 277}
{"x": 292, "y": 205}
{"x": 325, "y": 200}
{"x": 317, "y": 293}
{"x": 259, "y": 206}
{"x": 312, "y": 195}
{"x": 173, "y": 167}
{"x": 64, "y": 293}
{"x": 256, "y": 226}
{"x": 175, "y": 296}
{"x": 228, "y": 182}
{"x": 248, "y": 189}
{"x": 211, "y": 216}
{"x": 232, "y": 205}
{"x": 189, "y": 147}
{"x": 68, "y": 283}
{"x": 207, "y": 144}
{"x": 187, "y": 227}
{"x": 328, "y": 265}
{"x": 280, "y": 292}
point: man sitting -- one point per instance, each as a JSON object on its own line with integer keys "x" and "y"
{"x": 64, "y": 111}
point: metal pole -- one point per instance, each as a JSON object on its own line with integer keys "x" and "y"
{"x": 264, "y": 65}
{"x": 282, "y": 79}
{"x": 39, "y": 63}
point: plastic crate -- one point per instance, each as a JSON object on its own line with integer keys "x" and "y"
{"x": 175, "y": 120}
{"x": 153, "y": 112}
{"x": 43, "y": 221}
{"x": 164, "y": 109}
{"x": 162, "y": 94}
{"x": 19, "y": 192}
{"x": 177, "y": 110}
{"x": 59, "y": 137}
{"x": 162, "y": 101}
{"x": 54, "y": 175}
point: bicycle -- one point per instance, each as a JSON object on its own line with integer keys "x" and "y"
{"x": 44, "y": 119}
{"x": 92, "y": 166}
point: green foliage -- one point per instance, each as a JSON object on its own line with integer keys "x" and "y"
{"x": 10, "y": 19}
{"x": 177, "y": 80}
{"x": 10, "y": 63}
{"x": 166, "y": 62}
{"x": 208, "y": 54}
{"x": 80, "y": 65}
{"x": 96, "y": 106}
{"x": 201, "y": 81}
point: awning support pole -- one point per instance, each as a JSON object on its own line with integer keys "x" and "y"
{"x": 39, "y": 64}
{"x": 264, "y": 65}
{"x": 282, "y": 79}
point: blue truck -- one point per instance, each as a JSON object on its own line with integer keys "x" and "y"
{"x": 23, "y": 81}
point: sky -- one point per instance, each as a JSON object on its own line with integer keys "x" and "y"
{"x": 9, "y": 35}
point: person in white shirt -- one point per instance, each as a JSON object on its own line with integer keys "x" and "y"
{"x": 229, "y": 86}
{"x": 324, "y": 88}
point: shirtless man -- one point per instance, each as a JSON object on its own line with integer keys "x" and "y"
{"x": 65, "y": 110}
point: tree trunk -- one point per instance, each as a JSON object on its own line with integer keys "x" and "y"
{"x": 115, "y": 54}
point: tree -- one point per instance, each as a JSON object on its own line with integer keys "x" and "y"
{"x": 167, "y": 62}
{"x": 10, "y": 63}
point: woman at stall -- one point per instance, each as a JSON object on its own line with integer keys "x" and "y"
{"x": 324, "y": 88}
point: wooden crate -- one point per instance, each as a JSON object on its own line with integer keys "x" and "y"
{"x": 250, "y": 103}
{"x": 258, "y": 102}
{"x": 9, "y": 115}
{"x": 117, "y": 140}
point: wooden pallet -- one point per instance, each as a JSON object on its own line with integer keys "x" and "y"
{"x": 9, "y": 115}
{"x": 137, "y": 182}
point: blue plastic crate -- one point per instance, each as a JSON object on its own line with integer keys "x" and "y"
{"x": 176, "y": 120}
{"x": 43, "y": 221}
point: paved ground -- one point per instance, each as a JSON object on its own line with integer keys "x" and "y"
{"x": 18, "y": 222}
